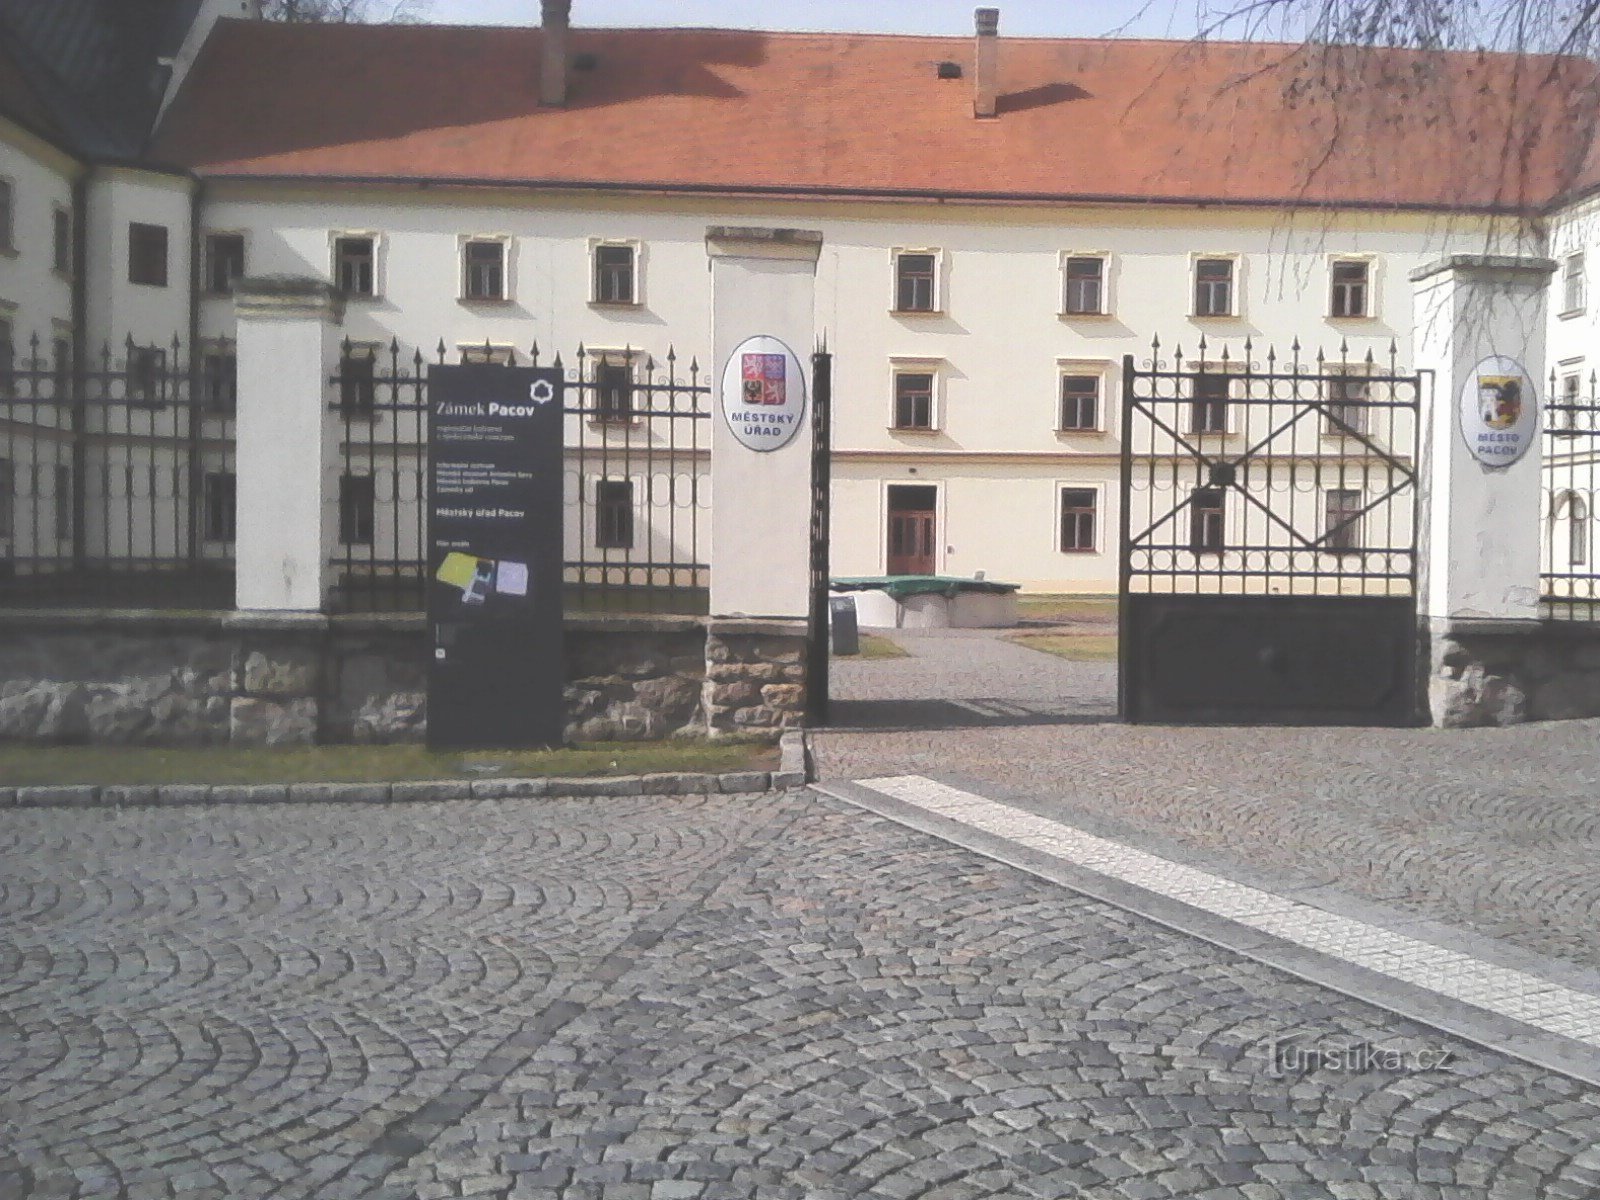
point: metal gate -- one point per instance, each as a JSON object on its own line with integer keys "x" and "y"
{"x": 821, "y": 462}
{"x": 1268, "y": 540}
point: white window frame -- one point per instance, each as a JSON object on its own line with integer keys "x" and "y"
{"x": 502, "y": 354}
{"x": 1357, "y": 531}
{"x": 1077, "y": 485}
{"x": 1100, "y": 368}
{"x": 1371, "y": 263}
{"x": 1574, "y": 281}
{"x": 379, "y": 262}
{"x": 1348, "y": 370}
{"x": 506, "y": 243}
{"x": 1213, "y": 367}
{"x": 1107, "y": 305}
{"x": 938, "y": 281}
{"x": 631, "y": 357}
{"x": 8, "y": 227}
{"x": 634, "y": 244}
{"x": 205, "y": 266}
{"x": 914, "y": 365}
{"x": 1235, "y": 290}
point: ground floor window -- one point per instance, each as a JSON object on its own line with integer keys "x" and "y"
{"x": 613, "y": 514}
{"x": 1078, "y": 520}
{"x": 357, "y": 497}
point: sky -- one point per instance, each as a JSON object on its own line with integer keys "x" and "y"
{"x": 1022, "y": 18}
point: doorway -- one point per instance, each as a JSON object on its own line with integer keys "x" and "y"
{"x": 912, "y": 528}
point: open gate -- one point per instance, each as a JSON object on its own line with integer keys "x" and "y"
{"x": 1268, "y": 540}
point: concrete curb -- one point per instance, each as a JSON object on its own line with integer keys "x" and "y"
{"x": 791, "y": 773}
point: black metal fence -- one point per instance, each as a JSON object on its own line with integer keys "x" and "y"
{"x": 1569, "y": 579}
{"x": 636, "y": 490}
{"x": 116, "y": 475}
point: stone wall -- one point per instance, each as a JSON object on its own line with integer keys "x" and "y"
{"x": 246, "y": 679}
{"x": 1505, "y": 673}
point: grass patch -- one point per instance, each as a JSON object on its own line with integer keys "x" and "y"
{"x": 1067, "y": 608}
{"x": 1078, "y": 647}
{"x": 875, "y": 646}
{"x": 30, "y": 765}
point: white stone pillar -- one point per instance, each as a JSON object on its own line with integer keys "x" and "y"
{"x": 763, "y": 283}
{"x": 285, "y": 455}
{"x": 1480, "y": 523}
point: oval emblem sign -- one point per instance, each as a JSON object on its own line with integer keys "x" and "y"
{"x": 1499, "y": 411}
{"x": 763, "y": 393}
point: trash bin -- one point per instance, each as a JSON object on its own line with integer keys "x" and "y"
{"x": 842, "y": 622}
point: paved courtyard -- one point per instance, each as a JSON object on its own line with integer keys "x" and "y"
{"x": 1495, "y": 830}
{"x": 653, "y": 999}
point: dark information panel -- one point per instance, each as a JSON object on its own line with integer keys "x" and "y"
{"x": 494, "y": 558}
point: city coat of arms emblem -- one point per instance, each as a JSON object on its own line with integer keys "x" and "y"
{"x": 1499, "y": 400}
{"x": 763, "y": 377}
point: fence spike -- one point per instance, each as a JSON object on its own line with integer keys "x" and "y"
{"x": 694, "y": 368}
{"x": 557, "y": 363}
{"x": 536, "y": 352}
{"x": 394, "y": 348}
{"x": 1202, "y": 352}
{"x": 1344, "y": 349}
{"x": 441, "y": 351}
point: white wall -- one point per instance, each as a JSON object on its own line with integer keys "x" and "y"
{"x": 119, "y": 309}
{"x": 34, "y": 297}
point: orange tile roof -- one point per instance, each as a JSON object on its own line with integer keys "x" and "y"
{"x": 730, "y": 111}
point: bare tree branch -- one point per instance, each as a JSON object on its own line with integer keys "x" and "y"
{"x": 346, "y": 12}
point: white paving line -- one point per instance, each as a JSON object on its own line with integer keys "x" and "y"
{"x": 1510, "y": 993}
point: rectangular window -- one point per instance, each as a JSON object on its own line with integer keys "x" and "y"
{"x": 613, "y": 275}
{"x": 358, "y": 382}
{"x": 356, "y": 503}
{"x": 354, "y": 265}
{"x": 8, "y": 202}
{"x": 914, "y": 283}
{"x": 224, "y": 262}
{"x": 219, "y": 497}
{"x": 613, "y": 514}
{"x": 8, "y": 361}
{"x": 913, "y": 400}
{"x": 613, "y": 393}
{"x": 8, "y": 491}
{"x": 1085, "y": 286}
{"x": 1077, "y": 520}
{"x": 61, "y": 367}
{"x": 1205, "y": 521}
{"x": 61, "y": 247}
{"x": 1342, "y": 507}
{"x": 219, "y": 381}
{"x": 1213, "y": 287}
{"x": 1080, "y": 403}
{"x": 63, "y": 502}
{"x": 1571, "y": 399}
{"x": 1349, "y": 297}
{"x": 1347, "y": 403}
{"x": 488, "y": 352}
{"x": 483, "y": 266}
{"x": 1208, "y": 407}
{"x": 147, "y": 375}
{"x": 147, "y": 254}
{"x": 1574, "y": 294}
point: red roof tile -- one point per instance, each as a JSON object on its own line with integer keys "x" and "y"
{"x": 857, "y": 114}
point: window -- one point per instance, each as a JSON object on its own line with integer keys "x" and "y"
{"x": 483, "y": 268}
{"x": 613, "y": 514}
{"x": 355, "y": 265}
{"x": 224, "y": 262}
{"x": 1349, "y": 297}
{"x": 61, "y": 248}
{"x": 1342, "y": 511}
{"x": 219, "y": 381}
{"x": 147, "y": 254}
{"x": 358, "y": 380}
{"x": 1566, "y": 416}
{"x": 219, "y": 500}
{"x": 8, "y": 490}
{"x": 613, "y": 390}
{"x": 1085, "y": 286}
{"x": 1077, "y": 520}
{"x": 1205, "y": 520}
{"x": 1577, "y": 532}
{"x": 63, "y": 502}
{"x": 614, "y": 274}
{"x": 914, "y": 279}
{"x": 8, "y": 360}
{"x": 913, "y": 400}
{"x": 1347, "y": 397}
{"x": 1213, "y": 287}
{"x": 1573, "y": 291}
{"x": 61, "y": 367}
{"x": 147, "y": 375}
{"x": 8, "y": 239}
{"x": 356, "y": 503}
{"x": 494, "y": 354}
{"x": 1080, "y": 403}
{"x": 1208, "y": 406}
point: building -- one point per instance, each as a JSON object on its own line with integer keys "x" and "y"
{"x": 1003, "y": 221}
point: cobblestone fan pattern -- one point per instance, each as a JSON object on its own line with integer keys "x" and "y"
{"x": 681, "y": 1000}
{"x": 1493, "y": 829}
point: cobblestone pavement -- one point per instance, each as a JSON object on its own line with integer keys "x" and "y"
{"x": 1496, "y": 830}
{"x": 670, "y": 999}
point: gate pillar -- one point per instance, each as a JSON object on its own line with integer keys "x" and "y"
{"x": 1480, "y": 330}
{"x": 285, "y": 457}
{"x": 763, "y": 286}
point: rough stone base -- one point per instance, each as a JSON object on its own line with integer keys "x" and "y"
{"x": 1504, "y": 673}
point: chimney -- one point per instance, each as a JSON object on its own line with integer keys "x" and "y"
{"x": 986, "y": 75}
{"x": 556, "y": 20}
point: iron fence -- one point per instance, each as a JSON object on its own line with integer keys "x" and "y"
{"x": 1569, "y": 579}
{"x": 636, "y": 489}
{"x": 116, "y": 475}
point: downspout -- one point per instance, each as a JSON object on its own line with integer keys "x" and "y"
{"x": 80, "y": 365}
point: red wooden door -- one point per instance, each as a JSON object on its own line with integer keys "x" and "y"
{"x": 911, "y": 543}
